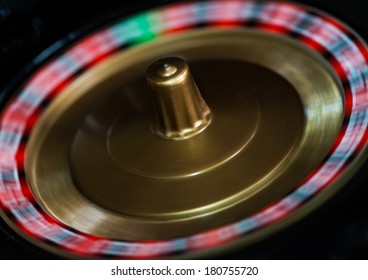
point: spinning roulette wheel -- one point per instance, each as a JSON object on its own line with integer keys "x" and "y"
{"x": 233, "y": 129}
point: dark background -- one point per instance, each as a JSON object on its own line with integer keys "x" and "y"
{"x": 337, "y": 230}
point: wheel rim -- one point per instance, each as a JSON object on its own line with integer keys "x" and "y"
{"x": 340, "y": 46}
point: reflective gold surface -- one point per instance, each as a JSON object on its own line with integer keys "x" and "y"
{"x": 94, "y": 163}
{"x": 179, "y": 109}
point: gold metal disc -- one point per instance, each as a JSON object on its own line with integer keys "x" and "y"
{"x": 94, "y": 163}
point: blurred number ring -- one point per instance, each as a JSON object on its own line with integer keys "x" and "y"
{"x": 341, "y": 48}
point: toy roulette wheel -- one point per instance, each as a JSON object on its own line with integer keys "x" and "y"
{"x": 184, "y": 130}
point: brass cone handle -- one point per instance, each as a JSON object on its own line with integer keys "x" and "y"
{"x": 179, "y": 109}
